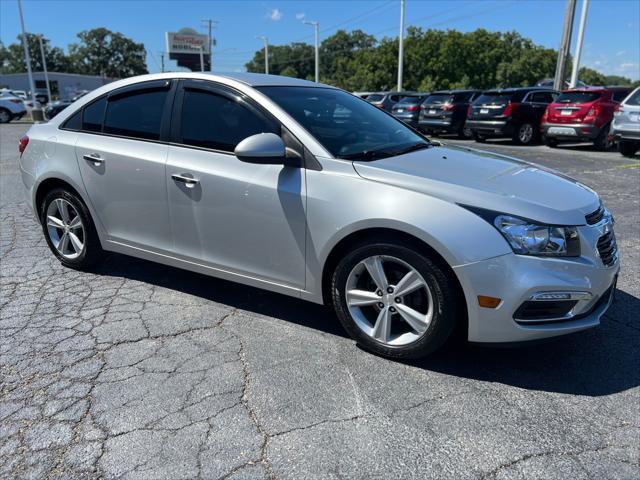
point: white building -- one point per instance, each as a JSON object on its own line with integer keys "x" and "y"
{"x": 63, "y": 85}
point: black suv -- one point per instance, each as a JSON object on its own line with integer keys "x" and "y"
{"x": 386, "y": 100}
{"x": 445, "y": 111}
{"x": 510, "y": 112}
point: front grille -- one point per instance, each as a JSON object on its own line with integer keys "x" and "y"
{"x": 546, "y": 310}
{"x": 595, "y": 217}
{"x": 608, "y": 248}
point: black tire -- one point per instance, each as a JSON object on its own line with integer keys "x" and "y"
{"x": 524, "y": 134}
{"x": 628, "y": 149}
{"x": 479, "y": 138}
{"x": 92, "y": 252}
{"x": 464, "y": 133}
{"x": 602, "y": 141}
{"x": 5, "y": 115}
{"x": 445, "y": 296}
{"x": 549, "y": 142}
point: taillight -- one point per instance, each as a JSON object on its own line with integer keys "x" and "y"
{"x": 592, "y": 114}
{"x": 22, "y": 144}
{"x": 619, "y": 110}
{"x": 413, "y": 108}
{"x": 510, "y": 108}
{"x": 545, "y": 115}
{"x": 447, "y": 106}
{"x": 469, "y": 111}
{"x": 15, "y": 100}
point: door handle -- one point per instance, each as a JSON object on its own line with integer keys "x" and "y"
{"x": 188, "y": 181}
{"x": 95, "y": 158}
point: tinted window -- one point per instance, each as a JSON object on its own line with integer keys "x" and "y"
{"x": 394, "y": 98}
{"x": 376, "y": 97}
{"x": 410, "y": 100}
{"x": 136, "y": 115}
{"x": 619, "y": 95}
{"x": 74, "y": 122}
{"x": 439, "y": 98}
{"x": 461, "y": 97}
{"x": 541, "y": 97}
{"x": 493, "y": 98}
{"x": 93, "y": 116}
{"x": 345, "y": 125}
{"x": 217, "y": 122}
{"x": 634, "y": 99}
{"x": 578, "y": 97}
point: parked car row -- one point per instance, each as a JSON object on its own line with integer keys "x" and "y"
{"x": 526, "y": 114}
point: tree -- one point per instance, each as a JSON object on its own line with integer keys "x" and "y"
{"x": 106, "y": 53}
{"x": 12, "y": 57}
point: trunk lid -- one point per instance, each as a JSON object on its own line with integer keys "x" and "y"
{"x": 490, "y": 105}
{"x": 572, "y": 107}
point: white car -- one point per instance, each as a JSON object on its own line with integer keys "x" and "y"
{"x": 11, "y": 107}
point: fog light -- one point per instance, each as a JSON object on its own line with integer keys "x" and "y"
{"x": 488, "y": 302}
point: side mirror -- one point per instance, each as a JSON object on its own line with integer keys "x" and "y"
{"x": 264, "y": 148}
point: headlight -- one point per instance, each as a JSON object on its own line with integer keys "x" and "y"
{"x": 527, "y": 237}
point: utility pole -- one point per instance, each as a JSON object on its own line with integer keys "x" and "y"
{"x": 27, "y": 58}
{"x": 401, "y": 46}
{"x": 208, "y": 22}
{"x": 576, "y": 57}
{"x": 201, "y": 59}
{"x": 44, "y": 66}
{"x": 565, "y": 44}
{"x": 266, "y": 52}
{"x": 162, "y": 62}
{"x": 316, "y": 26}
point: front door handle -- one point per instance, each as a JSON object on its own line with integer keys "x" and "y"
{"x": 188, "y": 181}
{"x": 95, "y": 158}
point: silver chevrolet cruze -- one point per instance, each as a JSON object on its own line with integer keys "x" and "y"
{"x": 309, "y": 191}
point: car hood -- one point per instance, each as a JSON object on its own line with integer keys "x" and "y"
{"x": 487, "y": 180}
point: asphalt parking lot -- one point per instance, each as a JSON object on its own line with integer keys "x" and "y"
{"x": 144, "y": 371}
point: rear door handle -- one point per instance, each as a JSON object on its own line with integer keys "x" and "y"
{"x": 189, "y": 181}
{"x": 95, "y": 158}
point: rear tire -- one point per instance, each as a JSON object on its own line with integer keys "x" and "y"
{"x": 602, "y": 141}
{"x": 390, "y": 323}
{"x": 628, "y": 149}
{"x": 465, "y": 133}
{"x": 5, "y": 115}
{"x": 69, "y": 230}
{"x": 524, "y": 134}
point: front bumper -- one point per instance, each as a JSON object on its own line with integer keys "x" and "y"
{"x": 573, "y": 131}
{"x": 517, "y": 278}
{"x": 491, "y": 128}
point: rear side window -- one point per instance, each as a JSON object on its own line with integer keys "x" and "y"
{"x": 410, "y": 100}
{"x": 375, "y": 97}
{"x": 217, "y": 122}
{"x": 137, "y": 115}
{"x": 541, "y": 97}
{"x": 578, "y": 97}
{"x": 634, "y": 99}
{"x": 92, "y": 116}
{"x": 493, "y": 98}
{"x": 619, "y": 95}
{"x": 74, "y": 122}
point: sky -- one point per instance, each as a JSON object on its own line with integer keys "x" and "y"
{"x": 611, "y": 41}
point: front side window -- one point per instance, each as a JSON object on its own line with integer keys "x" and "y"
{"x": 93, "y": 115}
{"x": 346, "y": 126}
{"x": 217, "y": 122}
{"x": 136, "y": 115}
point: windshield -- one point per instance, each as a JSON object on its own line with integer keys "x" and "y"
{"x": 438, "y": 99}
{"x": 376, "y": 97}
{"x": 411, "y": 100}
{"x": 493, "y": 98}
{"x": 345, "y": 125}
{"x": 578, "y": 97}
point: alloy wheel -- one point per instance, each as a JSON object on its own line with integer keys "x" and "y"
{"x": 389, "y": 300}
{"x": 525, "y": 134}
{"x": 4, "y": 116}
{"x": 65, "y": 229}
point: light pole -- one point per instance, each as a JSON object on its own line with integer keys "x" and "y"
{"x": 576, "y": 58}
{"x": 44, "y": 67}
{"x": 266, "y": 52}
{"x": 563, "y": 52}
{"x": 201, "y": 59}
{"x": 27, "y": 58}
{"x": 401, "y": 46}
{"x": 316, "y": 26}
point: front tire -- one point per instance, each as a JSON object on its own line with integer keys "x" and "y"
{"x": 69, "y": 230}
{"x": 5, "y": 115}
{"x": 393, "y": 300}
{"x": 628, "y": 149}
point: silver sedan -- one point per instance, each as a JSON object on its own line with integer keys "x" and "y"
{"x": 309, "y": 191}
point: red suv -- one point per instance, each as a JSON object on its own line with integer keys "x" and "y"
{"x": 582, "y": 114}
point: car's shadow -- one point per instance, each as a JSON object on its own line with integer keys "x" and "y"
{"x": 600, "y": 361}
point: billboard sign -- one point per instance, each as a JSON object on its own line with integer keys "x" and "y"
{"x": 187, "y": 40}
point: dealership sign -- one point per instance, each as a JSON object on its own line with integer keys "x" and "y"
{"x": 187, "y": 41}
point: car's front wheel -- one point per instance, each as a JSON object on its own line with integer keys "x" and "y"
{"x": 5, "y": 115}
{"x": 69, "y": 229}
{"x": 393, "y": 300}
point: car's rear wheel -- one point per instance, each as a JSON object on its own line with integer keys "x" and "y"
{"x": 69, "y": 229}
{"x": 628, "y": 149}
{"x": 549, "y": 142}
{"x": 524, "y": 134}
{"x": 5, "y": 115}
{"x": 465, "y": 133}
{"x": 479, "y": 138}
{"x": 602, "y": 141}
{"x": 393, "y": 300}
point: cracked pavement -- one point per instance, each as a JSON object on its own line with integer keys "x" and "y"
{"x": 138, "y": 370}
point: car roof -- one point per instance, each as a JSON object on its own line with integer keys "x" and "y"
{"x": 519, "y": 89}
{"x": 451, "y": 92}
{"x": 598, "y": 89}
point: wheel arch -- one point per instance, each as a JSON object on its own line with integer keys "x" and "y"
{"x": 363, "y": 236}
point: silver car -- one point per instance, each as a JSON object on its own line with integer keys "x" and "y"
{"x": 309, "y": 191}
{"x": 626, "y": 124}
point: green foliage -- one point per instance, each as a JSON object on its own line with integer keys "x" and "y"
{"x": 593, "y": 77}
{"x": 434, "y": 59}
{"x": 99, "y": 52}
